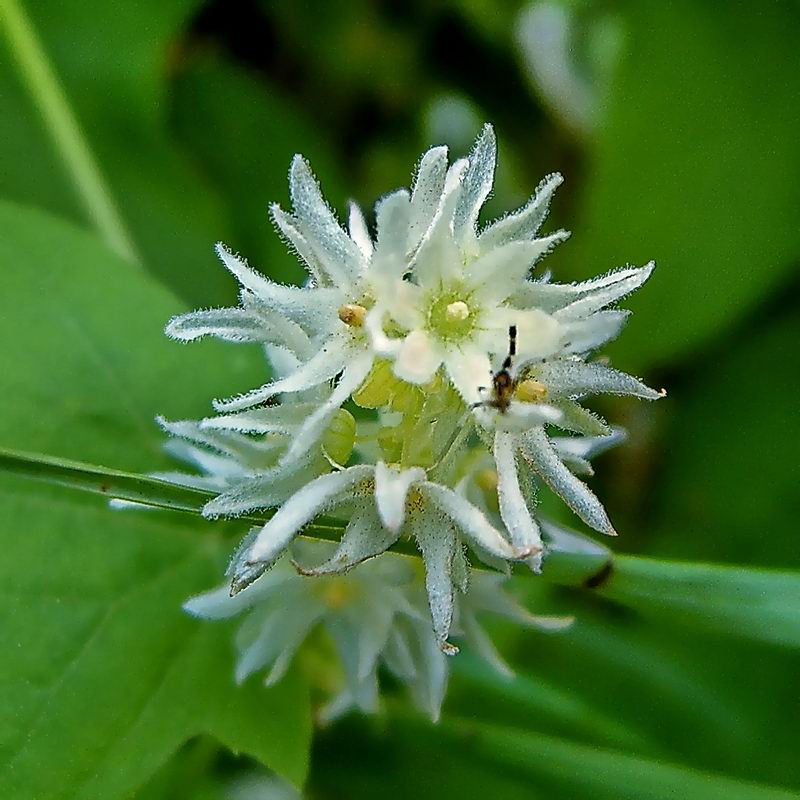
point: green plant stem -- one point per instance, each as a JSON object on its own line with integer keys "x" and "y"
{"x": 63, "y": 128}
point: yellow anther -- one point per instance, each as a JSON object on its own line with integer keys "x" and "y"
{"x": 352, "y": 315}
{"x": 531, "y": 391}
{"x": 457, "y": 312}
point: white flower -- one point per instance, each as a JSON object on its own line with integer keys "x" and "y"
{"x": 376, "y": 615}
{"x": 451, "y": 304}
{"x": 383, "y": 504}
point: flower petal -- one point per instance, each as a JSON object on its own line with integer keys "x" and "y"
{"x": 327, "y": 363}
{"x": 418, "y": 358}
{"x": 571, "y": 379}
{"x": 538, "y": 451}
{"x": 476, "y": 184}
{"x": 437, "y": 542}
{"x": 359, "y": 232}
{"x": 514, "y": 511}
{"x": 525, "y": 223}
{"x": 336, "y": 251}
{"x": 392, "y": 218}
{"x": 364, "y": 538}
{"x": 391, "y": 491}
{"x": 470, "y": 520}
{"x": 426, "y": 194}
{"x": 229, "y": 324}
{"x": 469, "y": 369}
{"x": 316, "y": 496}
{"x": 585, "y": 335}
{"x": 312, "y": 429}
{"x": 305, "y": 306}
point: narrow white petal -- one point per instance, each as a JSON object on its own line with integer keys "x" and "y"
{"x": 327, "y": 363}
{"x": 312, "y": 429}
{"x": 576, "y": 379}
{"x": 521, "y": 416}
{"x": 302, "y": 507}
{"x": 364, "y": 538}
{"x": 229, "y": 324}
{"x": 218, "y": 603}
{"x": 265, "y": 489}
{"x": 391, "y": 491}
{"x": 585, "y": 335}
{"x": 497, "y": 274}
{"x": 525, "y": 223}
{"x": 536, "y": 448}
{"x": 469, "y": 370}
{"x": 305, "y": 306}
{"x": 359, "y": 232}
{"x": 438, "y": 258}
{"x": 513, "y": 509}
{"x": 392, "y": 218}
{"x": 437, "y": 542}
{"x": 281, "y": 330}
{"x": 588, "y": 446}
{"x": 427, "y": 193}
{"x": 418, "y": 358}
{"x": 273, "y": 419}
{"x": 431, "y": 684}
{"x": 627, "y": 281}
{"x": 539, "y": 334}
{"x": 470, "y": 520}
{"x": 335, "y": 249}
{"x": 481, "y": 644}
{"x": 373, "y": 324}
{"x": 477, "y": 182}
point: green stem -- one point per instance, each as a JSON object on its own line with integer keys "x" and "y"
{"x": 63, "y": 128}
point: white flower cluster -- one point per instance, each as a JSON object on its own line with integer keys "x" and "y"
{"x": 456, "y": 366}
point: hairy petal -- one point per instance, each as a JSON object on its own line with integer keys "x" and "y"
{"x": 572, "y": 379}
{"x": 391, "y": 491}
{"x": 539, "y": 452}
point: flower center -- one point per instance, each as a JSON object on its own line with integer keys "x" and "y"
{"x": 450, "y": 317}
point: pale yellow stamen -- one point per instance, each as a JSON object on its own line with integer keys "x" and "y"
{"x": 531, "y": 391}
{"x": 487, "y": 480}
{"x": 457, "y": 312}
{"x": 352, "y": 315}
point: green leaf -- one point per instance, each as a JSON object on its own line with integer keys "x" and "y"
{"x": 697, "y": 167}
{"x": 103, "y": 675}
{"x": 757, "y": 604}
{"x": 90, "y": 367}
{"x": 98, "y": 652}
{"x": 577, "y": 770}
{"x": 108, "y": 65}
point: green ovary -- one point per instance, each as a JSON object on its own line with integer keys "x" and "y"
{"x": 452, "y": 317}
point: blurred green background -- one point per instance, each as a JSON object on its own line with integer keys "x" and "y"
{"x": 677, "y": 127}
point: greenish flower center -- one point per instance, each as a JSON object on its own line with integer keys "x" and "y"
{"x": 451, "y": 316}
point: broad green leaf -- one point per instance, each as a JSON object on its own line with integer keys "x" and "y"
{"x": 110, "y": 62}
{"x": 752, "y": 603}
{"x": 697, "y": 167}
{"x": 103, "y": 675}
{"x": 90, "y": 367}
{"x": 98, "y": 651}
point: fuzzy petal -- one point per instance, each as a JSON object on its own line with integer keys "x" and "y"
{"x": 470, "y": 521}
{"x": 538, "y": 451}
{"x": 229, "y": 324}
{"x": 314, "y": 426}
{"x": 327, "y": 363}
{"x": 572, "y": 379}
{"x": 391, "y": 491}
{"x": 339, "y": 255}
{"x": 437, "y": 543}
{"x": 364, "y": 538}
{"x": 418, "y": 358}
{"x": 305, "y": 306}
{"x": 627, "y": 281}
{"x": 322, "y": 493}
{"x": 585, "y": 335}
{"x": 514, "y": 511}
{"x": 392, "y": 215}
{"x": 525, "y": 223}
{"x": 426, "y": 194}
{"x": 359, "y": 232}
{"x": 469, "y": 370}
{"x": 477, "y": 183}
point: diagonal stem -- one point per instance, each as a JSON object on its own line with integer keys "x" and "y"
{"x": 48, "y": 96}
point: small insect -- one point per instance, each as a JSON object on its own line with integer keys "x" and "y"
{"x": 507, "y": 387}
{"x": 503, "y": 383}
